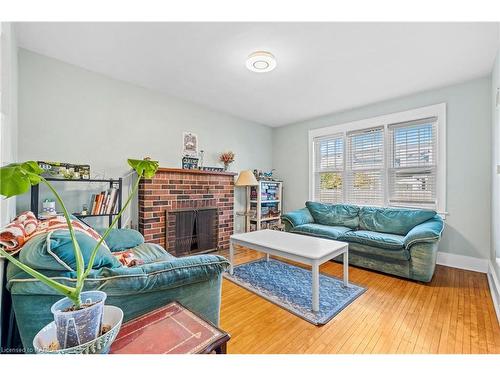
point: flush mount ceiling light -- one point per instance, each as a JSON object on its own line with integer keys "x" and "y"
{"x": 261, "y": 62}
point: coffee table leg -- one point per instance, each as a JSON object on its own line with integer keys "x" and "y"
{"x": 346, "y": 268}
{"x": 315, "y": 287}
{"x": 231, "y": 256}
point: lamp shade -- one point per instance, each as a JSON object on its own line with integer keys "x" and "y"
{"x": 246, "y": 178}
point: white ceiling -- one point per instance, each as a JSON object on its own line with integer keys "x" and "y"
{"x": 322, "y": 67}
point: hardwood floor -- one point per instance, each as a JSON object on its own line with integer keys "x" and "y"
{"x": 452, "y": 314}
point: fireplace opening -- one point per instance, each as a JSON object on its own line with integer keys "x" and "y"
{"x": 195, "y": 231}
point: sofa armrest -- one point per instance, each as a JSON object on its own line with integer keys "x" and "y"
{"x": 298, "y": 217}
{"x": 163, "y": 274}
{"x": 428, "y": 231}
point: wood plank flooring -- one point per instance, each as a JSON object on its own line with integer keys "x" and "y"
{"x": 452, "y": 314}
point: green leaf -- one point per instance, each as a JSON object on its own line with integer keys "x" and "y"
{"x": 17, "y": 178}
{"x": 147, "y": 168}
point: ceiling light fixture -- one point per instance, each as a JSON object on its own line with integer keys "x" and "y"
{"x": 261, "y": 62}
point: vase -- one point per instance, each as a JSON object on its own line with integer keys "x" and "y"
{"x": 80, "y": 326}
{"x": 226, "y": 167}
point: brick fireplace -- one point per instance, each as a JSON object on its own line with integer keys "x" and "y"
{"x": 179, "y": 191}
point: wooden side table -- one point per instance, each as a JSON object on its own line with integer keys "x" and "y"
{"x": 172, "y": 329}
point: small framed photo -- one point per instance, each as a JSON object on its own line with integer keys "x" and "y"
{"x": 189, "y": 144}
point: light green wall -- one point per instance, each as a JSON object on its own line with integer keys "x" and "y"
{"x": 70, "y": 114}
{"x": 468, "y": 153}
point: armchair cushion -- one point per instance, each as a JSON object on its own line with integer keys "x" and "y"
{"x": 345, "y": 215}
{"x": 298, "y": 217}
{"x": 54, "y": 251}
{"x": 429, "y": 231}
{"x": 122, "y": 239}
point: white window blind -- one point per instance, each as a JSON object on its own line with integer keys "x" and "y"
{"x": 329, "y": 168}
{"x": 413, "y": 165}
{"x": 365, "y": 166}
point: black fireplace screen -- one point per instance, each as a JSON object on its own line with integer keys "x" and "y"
{"x": 195, "y": 231}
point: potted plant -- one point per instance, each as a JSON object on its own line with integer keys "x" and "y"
{"x": 78, "y": 316}
{"x": 227, "y": 158}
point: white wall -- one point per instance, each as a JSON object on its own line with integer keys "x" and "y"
{"x": 495, "y": 176}
{"x": 8, "y": 130}
{"x": 70, "y": 114}
{"x": 8, "y": 126}
{"x": 468, "y": 154}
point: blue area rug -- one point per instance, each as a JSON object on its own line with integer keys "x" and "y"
{"x": 289, "y": 287}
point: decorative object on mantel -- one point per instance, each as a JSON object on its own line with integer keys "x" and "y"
{"x": 211, "y": 169}
{"x": 201, "y": 157}
{"x": 247, "y": 179}
{"x": 227, "y": 158}
{"x": 190, "y": 144}
{"x": 189, "y": 162}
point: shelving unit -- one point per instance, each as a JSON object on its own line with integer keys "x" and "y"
{"x": 264, "y": 205}
{"x": 117, "y": 183}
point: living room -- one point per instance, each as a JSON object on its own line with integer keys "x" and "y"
{"x": 267, "y": 187}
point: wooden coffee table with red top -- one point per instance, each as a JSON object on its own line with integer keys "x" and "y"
{"x": 172, "y": 329}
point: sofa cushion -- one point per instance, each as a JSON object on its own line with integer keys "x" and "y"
{"x": 392, "y": 220}
{"x": 378, "y": 253}
{"x": 377, "y": 239}
{"x": 344, "y": 215}
{"x": 54, "y": 251}
{"x": 122, "y": 239}
{"x": 320, "y": 230}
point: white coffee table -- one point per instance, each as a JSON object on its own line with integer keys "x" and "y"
{"x": 308, "y": 250}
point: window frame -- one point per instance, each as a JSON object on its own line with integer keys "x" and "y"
{"x": 436, "y": 110}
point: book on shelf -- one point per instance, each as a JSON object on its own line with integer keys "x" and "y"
{"x": 104, "y": 203}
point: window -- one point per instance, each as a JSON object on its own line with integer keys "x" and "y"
{"x": 329, "y": 168}
{"x": 412, "y": 171}
{"x": 391, "y": 160}
{"x": 365, "y": 166}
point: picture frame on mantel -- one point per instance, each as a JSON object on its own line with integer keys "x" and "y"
{"x": 189, "y": 144}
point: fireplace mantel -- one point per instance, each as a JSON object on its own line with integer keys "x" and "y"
{"x": 195, "y": 171}
{"x": 174, "y": 189}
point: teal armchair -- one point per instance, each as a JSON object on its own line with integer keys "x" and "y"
{"x": 195, "y": 281}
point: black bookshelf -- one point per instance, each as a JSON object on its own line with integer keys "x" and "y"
{"x": 116, "y": 183}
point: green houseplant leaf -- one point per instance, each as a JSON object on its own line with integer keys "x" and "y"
{"x": 146, "y": 168}
{"x": 17, "y": 178}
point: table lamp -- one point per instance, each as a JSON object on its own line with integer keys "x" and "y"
{"x": 247, "y": 179}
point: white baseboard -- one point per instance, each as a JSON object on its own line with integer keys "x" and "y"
{"x": 463, "y": 262}
{"x": 494, "y": 289}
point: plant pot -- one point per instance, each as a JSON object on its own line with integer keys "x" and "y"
{"x": 80, "y": 326}
{"x": 112, "y": 317}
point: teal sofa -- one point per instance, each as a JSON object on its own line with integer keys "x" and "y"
{"x": 397, "y": 241}
{"x": 195, "y": 281}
